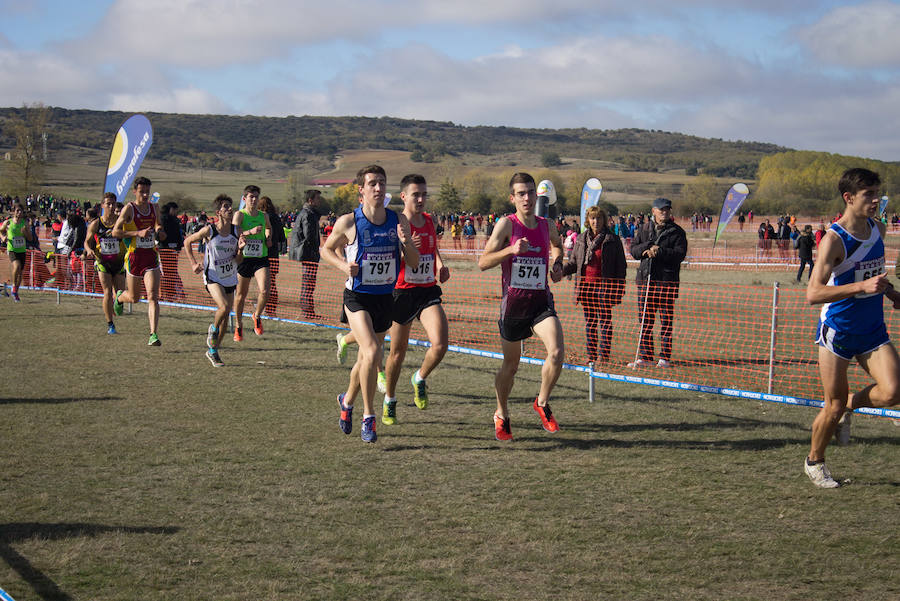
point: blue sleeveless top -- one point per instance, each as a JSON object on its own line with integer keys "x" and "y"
{"x": 863, "y": 259}
{"x": 376, "y": 249}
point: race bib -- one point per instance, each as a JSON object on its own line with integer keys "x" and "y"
{"x": 423, "y": 274}
{"x": 253, "y": 248}
{"x": 868, "y": 269}
{"x": 225, "y": 268}
{"x": 148, "y": 241}
{"x": 109, "y": 246}
{"x": 529, "y": 273}
{"x": 18, "y": 241}
{"x": 378, "y": 269}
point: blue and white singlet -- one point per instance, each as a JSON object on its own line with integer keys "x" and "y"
{"x": 863, "y": 259}
{"x": 219, "y": 266}
{"x": 376, "y": 249}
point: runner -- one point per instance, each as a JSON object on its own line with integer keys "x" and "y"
{"x": 524, "y": 245}
{"x": 138, "y": 223}
{"x": 375, "y": 238}
{"x": 253, "y": 225}
{"x": 220, "y": 262}
{"x": 109, "y": 255}
{"x": 849, "y": 278}
{"x": 15, "y": 232}
{"x": 417, "y": 295}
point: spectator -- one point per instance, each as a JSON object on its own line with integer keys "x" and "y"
{"x": 305, "y": 248}
{"x": 172, "y": 288}
{"x": 277, "y": 245}
{"x": 805, "y": 244}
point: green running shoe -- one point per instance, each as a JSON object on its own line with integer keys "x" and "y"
{"x": 154, "y": 340}
{"x": 389, "y": 413}
{"x": 341, "y": 349}
{"x": 117, "y": 306}
{"x": 420, "y": 393}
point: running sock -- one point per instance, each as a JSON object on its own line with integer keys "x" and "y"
{"x": 368, "y": 416}
{"x": 418, "y": 377}
{"x": 109, "y": 323}
{"x": 390, "y": 399}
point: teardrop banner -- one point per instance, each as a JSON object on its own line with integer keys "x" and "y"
{"x": 129, "y": 148}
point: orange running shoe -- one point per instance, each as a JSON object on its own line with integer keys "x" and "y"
{"x": 547, "y": 419}
{"x": 238, "y": 334}
{"x": 501, "y": 428}
{"x": 257, "y": 325}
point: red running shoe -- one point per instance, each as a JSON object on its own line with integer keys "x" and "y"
{"x": 547, "y": 419}
{"x": 501, "y": 428}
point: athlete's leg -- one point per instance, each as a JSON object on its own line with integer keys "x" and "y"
{"x": 883, "y": 364}
{"x": 107, "y": 283}
{"x": 833, "y": 372}
{"x": 223, "y": 302}
{"x": 262, "y": 279}
{"x": 151, "y": 285}
{"x": 132, "y": 294}
{"x": 368, "y": 357}
{"x": 550, "y": 332}
{"x": 240, "y": 295}
{"x": 16, "y": 268}
{"x": 434, "y": 320}
{"x": 399, "y": 339}
{"x": 506, "y": 375}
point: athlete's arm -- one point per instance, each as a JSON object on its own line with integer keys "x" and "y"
{"x": 831, "y": 253}
{"x": 556, "y": 253}
{"x": 407, "y": 244}
{"x": 200, "y": 234}
{"x": 90, "y": 242}
{"x": 126, "y": 216}
{"x": 497, "y": 248}
{"x": 442, "y": 271}
{"x": 338, "y": 239}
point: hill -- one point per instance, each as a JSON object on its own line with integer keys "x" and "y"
{"x": 228, "y": 142}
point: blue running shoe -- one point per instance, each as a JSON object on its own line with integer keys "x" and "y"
{"x": 111, "y": 329}
{"x": 345, "y": 421}
{"x": 368, "y": 430}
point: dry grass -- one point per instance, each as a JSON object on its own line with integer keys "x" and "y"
{"x": 144, "y": 473}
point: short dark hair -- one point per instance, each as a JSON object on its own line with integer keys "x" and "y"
{"x": 361, "y": 174}
{"x": 110, "y": 195}
{"x": 312, "y": 193}
{"x": 251, "y": 189}
{"x": 520, "y": 178}
{"x": 141, "y": 181}
{"x": 220, "y": 200}
{"x": 412, "y": 178}
{"x": 855, "y": 179}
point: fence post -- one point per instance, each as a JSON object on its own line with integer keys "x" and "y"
{"x": 591, "y": 381}
{"x": 772, "y": 335}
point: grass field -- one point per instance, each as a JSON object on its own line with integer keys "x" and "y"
{"x": 132, "y": 472}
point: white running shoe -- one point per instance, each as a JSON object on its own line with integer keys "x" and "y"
{"x": 819, "y": 474}
{"x": 639, "y": 363}
{"x": 842, "y": 434}
{"x": 663, "y": 363}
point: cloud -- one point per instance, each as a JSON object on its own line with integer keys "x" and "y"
{"x": 863, "y": 36}
{"x": 182, "y": 100}
{"x": 33, "y": 77}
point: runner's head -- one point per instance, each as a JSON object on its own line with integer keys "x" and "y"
{"x": 224, "y": 208}
{"x": 860, "y": 187}
{"x": 372, "y": 182}
{"x": 108, "y": 204}
{"x": 522, "y": 193}
{"x": 414, "y": 193}
{"x": 251, "y": 197}
{"x": 142, "y": 189}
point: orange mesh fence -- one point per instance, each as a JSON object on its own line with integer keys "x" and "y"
{"x": 743, "y": 340}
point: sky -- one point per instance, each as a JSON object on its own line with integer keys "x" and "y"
{"x": 806, "y": 74}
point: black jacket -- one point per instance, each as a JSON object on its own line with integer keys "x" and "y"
{"x": 672, "y": 242}
{"x": 305, "y": 235}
